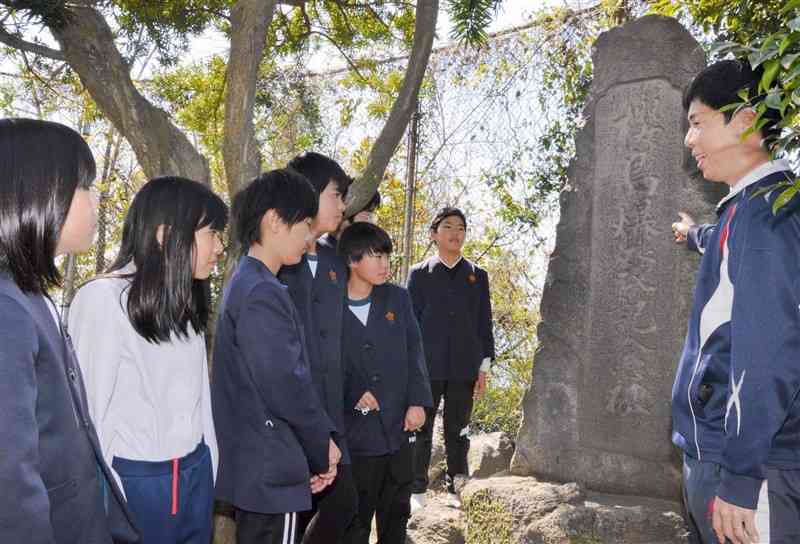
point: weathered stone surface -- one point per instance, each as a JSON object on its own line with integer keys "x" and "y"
{"x": 500, "y": 509}
{"x": 489, "y": 454}
{"x": 438, "y": 523}
{"x": 512, "y": 510}
{"x": 610, "y": 520}
{"x": 618, "y": 288}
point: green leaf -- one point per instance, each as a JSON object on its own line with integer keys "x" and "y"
{"x": 744, "y": 95}
{"x": 774, "y": 100}
{"x": 785, "y": 43}
{"x": 784, "y": 198}
{"x": 794, "y": 24}
{"x": 723, "y": 47}
{"x": 790, "y": 6}
{"x": 796, "y": 97}
{"x": 788, "y": 60}
{"x": 770, "y": 71}
{"x": 791, "y": 75}
{"x": 730, "y": 107}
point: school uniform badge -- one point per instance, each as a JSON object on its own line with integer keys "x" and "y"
{"x": 471, "y": 278}
{"x": 390, "y": 317}
{"x": 332, "y": 275}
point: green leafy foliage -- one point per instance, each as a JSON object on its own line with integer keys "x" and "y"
{"x": 778, "y": 53}
{"x": 470, "y": 19}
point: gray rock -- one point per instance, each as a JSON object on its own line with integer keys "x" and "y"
{"x": 489, "y": 454}
{"x": 438, "y": 523}
{"x": 618, "y": 289}
{"x": 611, "y": 520}
{"x": 511, "y": 510}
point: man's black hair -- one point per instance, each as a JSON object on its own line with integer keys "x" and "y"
{"x": 444, "y": 213}
{"x": 719, "y": 84}
{"x": 284, "y": 190}
{"x": 362, "y": 238}
{"x": 320, "y": 171}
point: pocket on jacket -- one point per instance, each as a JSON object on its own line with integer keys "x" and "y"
{"x": 285, "y": 460}
{"x": 63, "y": 492}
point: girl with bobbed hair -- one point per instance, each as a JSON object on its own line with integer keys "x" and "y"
{"x": 55, "y": 486}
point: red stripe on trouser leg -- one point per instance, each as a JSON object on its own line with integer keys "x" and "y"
{"x": 174, "y": 487}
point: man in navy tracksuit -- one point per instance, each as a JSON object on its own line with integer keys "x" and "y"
{"x": 734, "y": 402}
{"x": 317, "y": 287}
{"x": 272, "y": 429}
{"x": 386, "y": 383}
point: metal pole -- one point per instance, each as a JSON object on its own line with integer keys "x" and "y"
{"x": 411, "y": 179}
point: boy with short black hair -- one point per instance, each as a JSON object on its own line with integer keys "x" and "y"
{"x": 317, "y": 287}
{"x": 735, "y": 407}
{"x": 451, "y": 301}
{"x": 271, "y": 426}
{"x": 386, "y": 383}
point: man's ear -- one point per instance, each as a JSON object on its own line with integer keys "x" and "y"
{"x": 270, "y": 221}
{"x": 744, "y": 119}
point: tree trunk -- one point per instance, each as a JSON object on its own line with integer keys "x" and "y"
{"x": 250, "y": 20}
{"x": 403, "y": 108}
{"x": 87, "y": 45}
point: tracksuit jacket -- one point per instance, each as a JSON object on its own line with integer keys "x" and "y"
{"x": 734, "y": 400}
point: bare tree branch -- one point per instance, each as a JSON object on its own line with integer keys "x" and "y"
{"x": 402, "y": 109}
{"x": 12, "y": 40}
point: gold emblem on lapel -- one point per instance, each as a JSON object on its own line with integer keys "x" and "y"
{"x": 390, "y": 316}
{"x": 472, "y": 278}
{"x": 332, "y": 275}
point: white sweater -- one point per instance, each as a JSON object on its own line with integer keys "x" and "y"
{"x": 149, "y": 402}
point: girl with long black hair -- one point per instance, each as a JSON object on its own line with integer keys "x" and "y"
{"x": 139, "y": 331}
{"x": 55, "y": 486}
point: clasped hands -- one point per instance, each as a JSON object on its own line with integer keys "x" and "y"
{"x": 321, "y": 481}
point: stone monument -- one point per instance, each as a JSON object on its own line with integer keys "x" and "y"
{"x": 618, "y": 289}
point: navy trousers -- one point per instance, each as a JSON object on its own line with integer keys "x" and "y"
{"x": 384, "y": 491}
{"x": 777, "y": 517}
{"x": 172, "y": 501}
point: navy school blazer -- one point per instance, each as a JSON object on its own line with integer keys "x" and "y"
{"x": 455, "y": 316}
{"x": 385, "y": 358}
{"x": 54, "y": 485}
{"x": 320, "y": 302}
{"x": 271, "y": 426}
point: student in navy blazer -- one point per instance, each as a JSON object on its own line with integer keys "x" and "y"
{"x": 272, "y": 430}
{"x": 317, "y": 286}
{"x": 452, "y": 303}
{"x": 54, "y": 485}
{"x": 386, "y": 383}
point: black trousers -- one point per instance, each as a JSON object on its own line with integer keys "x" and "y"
{"x": 457, "y": 414}
{"x": 332, "y": 512}
{"x": 255, "y": 528}
{"x": 384, "y": 491}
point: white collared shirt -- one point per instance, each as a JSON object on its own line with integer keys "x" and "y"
{"x": 757, "y": 173}
{"x": 149, "y": 402}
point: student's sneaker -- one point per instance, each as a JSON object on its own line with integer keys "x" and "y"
{"x": 418, "y": 501}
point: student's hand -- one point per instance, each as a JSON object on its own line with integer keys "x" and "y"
{"x": 318, "y": 484}
{"x": 415, "y": 418}
{"x": 680, "y": 229}
{"x": 734, "y": 523}
{"x": 480, "y": 386}
{"x": 367, "y": 402}
{"x": 334, "y": 455}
